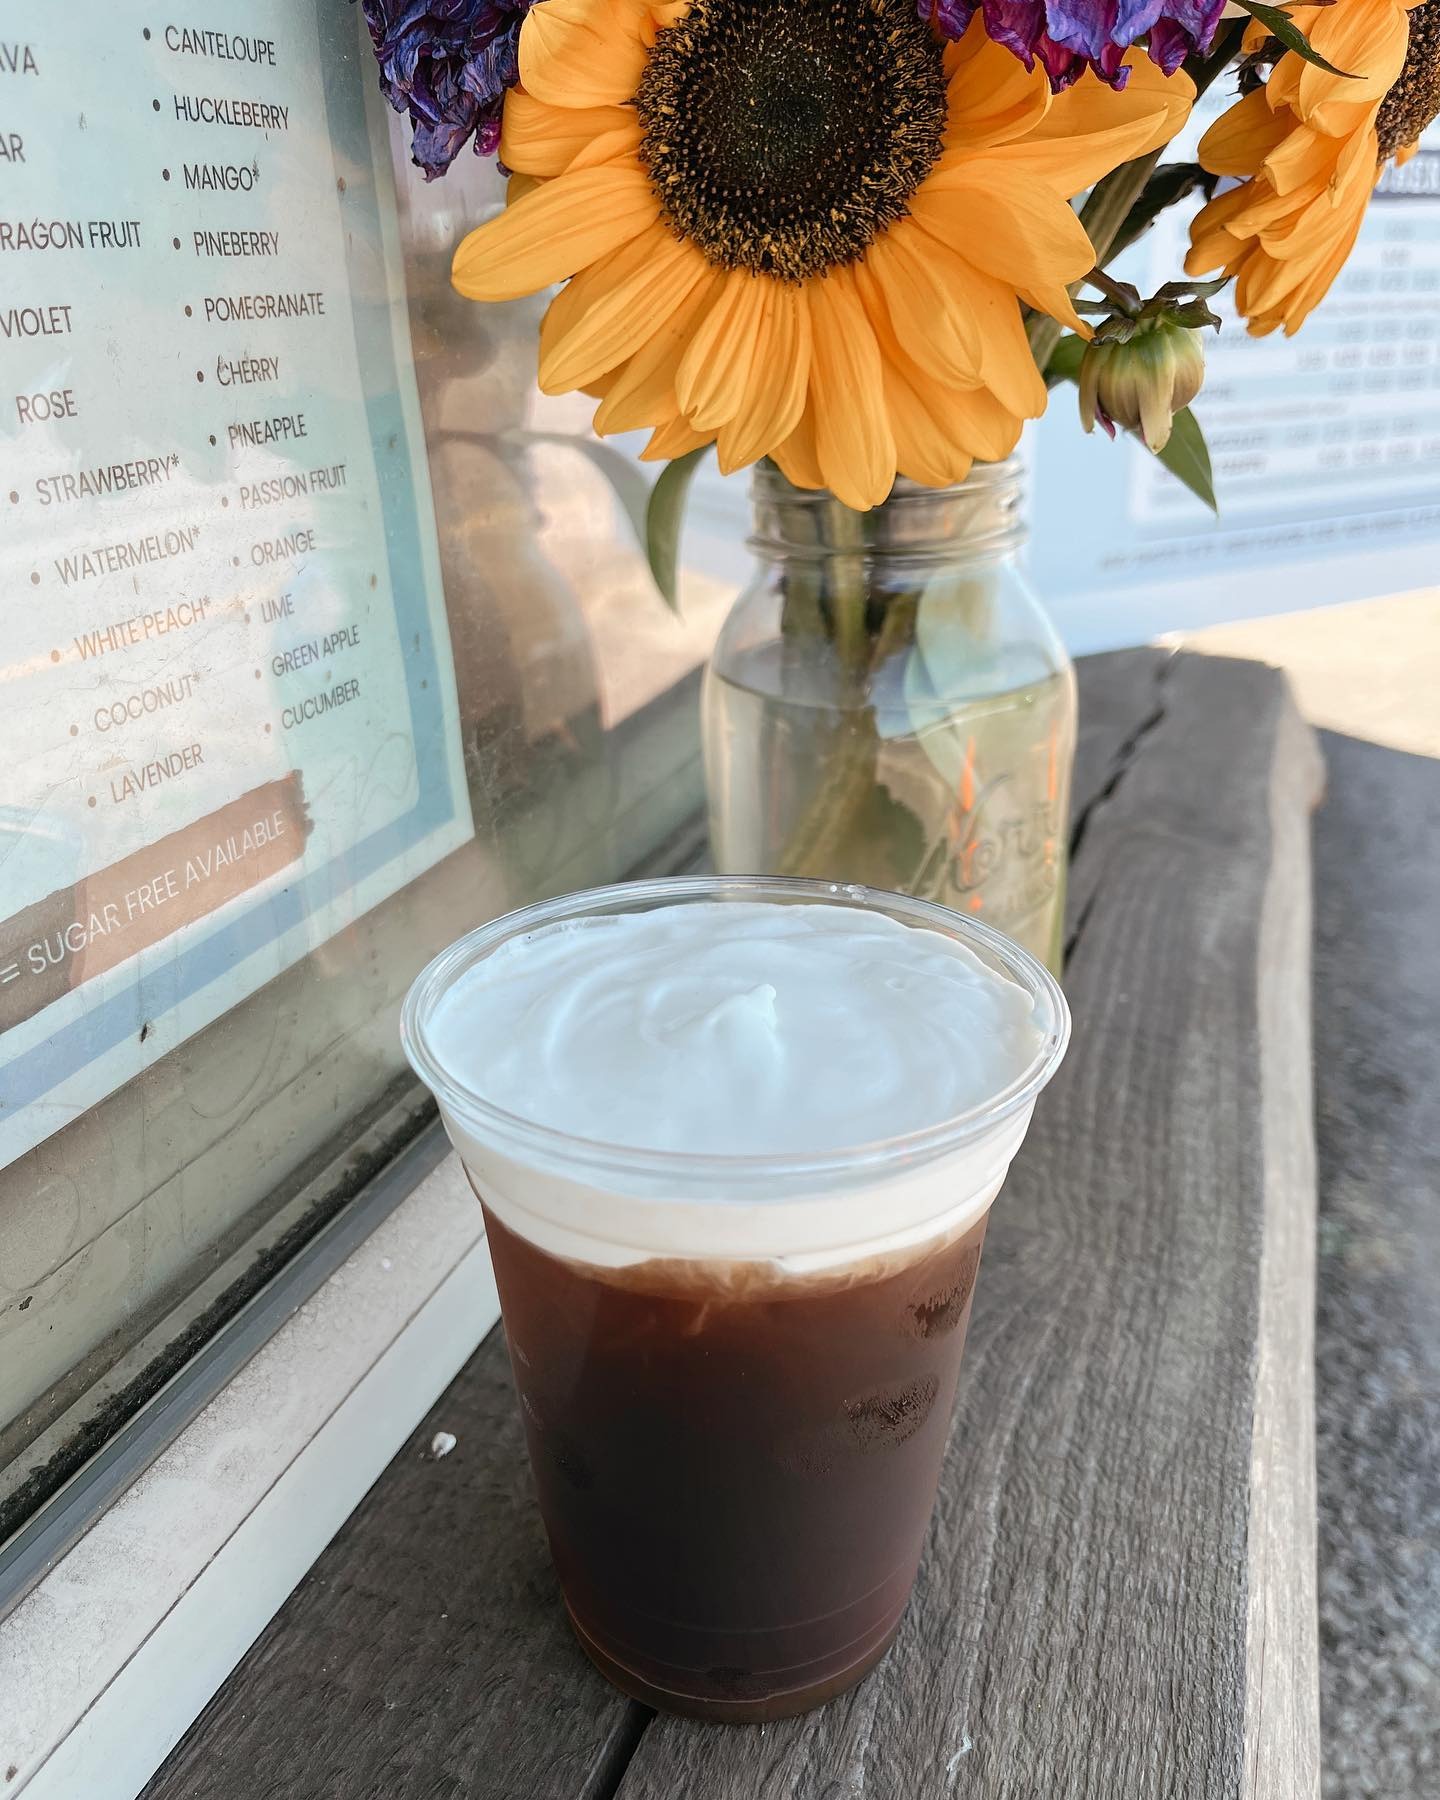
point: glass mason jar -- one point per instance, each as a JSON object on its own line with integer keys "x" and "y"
{"x": 888, "y": 703}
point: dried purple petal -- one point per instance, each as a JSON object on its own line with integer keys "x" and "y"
{"x": 448, "y": 63}
{"x": 1069, "y": 36}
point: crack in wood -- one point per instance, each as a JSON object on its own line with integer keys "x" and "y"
{"x": 604, "y": 1784}
{"x": 1123, "y": 761}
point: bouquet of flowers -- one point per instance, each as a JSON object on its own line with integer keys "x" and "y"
{"x": 862, "y": 242}
{"x": 858, "y": 237}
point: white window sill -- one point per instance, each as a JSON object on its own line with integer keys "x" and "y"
{"x": 108, "y": 1660}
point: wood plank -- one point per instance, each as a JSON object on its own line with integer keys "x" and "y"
{"x": 427, "y": 1652}
{"x": 1081, "y": 1622}
{"x": 1119, "y": 700}
{"x": 1282, "y": 1691}
{"x": 1377, "y": 998}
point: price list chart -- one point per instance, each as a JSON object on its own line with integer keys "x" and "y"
{"x": 227, "y": 708}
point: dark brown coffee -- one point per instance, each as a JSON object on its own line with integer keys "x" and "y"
{"x": 736, "y": 1466}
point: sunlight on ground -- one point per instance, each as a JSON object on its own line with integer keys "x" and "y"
{"x": 1370, "y": 669}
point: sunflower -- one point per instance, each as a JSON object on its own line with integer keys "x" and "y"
{"x": 1309, "y": 147}
{"x": 799, "y": 228}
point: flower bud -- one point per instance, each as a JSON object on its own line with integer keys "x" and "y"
{"x": 1143, "y": 383}
{"x": 1146, "y": 360}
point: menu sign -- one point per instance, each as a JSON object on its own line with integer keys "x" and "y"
{"x": 229, "y": 720}
{"x": 1325, "y": 447}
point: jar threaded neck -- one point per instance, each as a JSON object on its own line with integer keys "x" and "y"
{"x": 981, "y": 516}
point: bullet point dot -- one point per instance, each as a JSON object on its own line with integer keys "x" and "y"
{"x": 257, "y": 674}
{"x": 175, "y": 242}
{"x": 247, "y": 618}
{"x": 156, "y": 105}
{"x": 224, "y": 500}
{"x": 145, "y": 33}
{"x": 189, "y": 312}
{"x": 199, "y": 374}
{"x": 91, "y": 800}
{"x": 234, "y": 562}
{"x": 212, "y": 437}
{"x": 165, "y": 173}
{"x": 14, "y": 498}
{"x": 54, "y": 656}
{"x": 267, "y": 725}
{"x": 74, "y": 731}
{"x": 34, "y": 578}
{"x": 373, "y": 581}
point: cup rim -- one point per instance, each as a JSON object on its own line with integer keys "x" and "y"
{"x": 711, "y": 1169}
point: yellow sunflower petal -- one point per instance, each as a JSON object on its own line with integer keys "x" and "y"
{"x": 1365, "y": 38}
{"x": 713, "y": 375}
{"x": 640, "y": 287}
{"x": 774, "y": 398}
{"x": 1007, "y": 366}
{"x": 518, "y": 186}
{"x": 798, "y": 458}
{"x": 675, "y": 438}
{"x": 852, "y": 431}
{"x": 1090, "y": 129}
{"x": 539, "y": 139}
{"x": 1242, "y": 137}
{"x": 925, "y": 301}
{"x": 1301, "y": 158}
{"x": 992, "y": 97}
{"x": 989, "y": 428}
{"x": 642, "y": 392}
{"x": 1022, "y": 234}
{"x": 553, "y": 231}
{"x": 1318, "y": 284}
{"x": 924, "y": 449}
{"x": 583, "y": 53}
{"x": 927, "y": 448}
{"x": 1213, "y": 242}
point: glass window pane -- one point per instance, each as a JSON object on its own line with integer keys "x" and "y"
{"x": 295, "y": 480}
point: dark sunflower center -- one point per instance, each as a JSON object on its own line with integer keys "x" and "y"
{"x": 1414, "y": 101}
{"x": 783, "y": 135}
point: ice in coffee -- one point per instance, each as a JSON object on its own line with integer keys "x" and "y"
{"x": 737, "y": 1142}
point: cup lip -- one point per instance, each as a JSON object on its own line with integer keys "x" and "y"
{"x": 710, "y": 1169}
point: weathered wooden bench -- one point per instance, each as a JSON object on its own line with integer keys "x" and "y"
{"x": 1118, "y": 1598}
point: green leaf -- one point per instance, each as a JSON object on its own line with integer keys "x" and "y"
{"x": 663, "y": 518}
{"x": 1187, "y": 456}
{"x": 1280, "y": 25}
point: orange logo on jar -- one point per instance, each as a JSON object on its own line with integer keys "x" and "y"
{"x": 1003, "y": 840}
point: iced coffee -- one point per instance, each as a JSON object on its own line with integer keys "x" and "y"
{"x": 736, "y": 1143}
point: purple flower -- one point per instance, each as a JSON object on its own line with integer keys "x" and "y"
{"x": 1070, "y": 36}
{"x": 448, "y": 63}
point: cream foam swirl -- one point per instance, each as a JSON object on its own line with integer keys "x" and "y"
{"x": 736, "y": 1028}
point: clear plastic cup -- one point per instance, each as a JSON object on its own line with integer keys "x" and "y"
{"x": 737, "y": 1373}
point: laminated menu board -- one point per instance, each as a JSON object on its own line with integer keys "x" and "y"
{"x": 228, "y": 721}
{"x": 1325, "y": 446}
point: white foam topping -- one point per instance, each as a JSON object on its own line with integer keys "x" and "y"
{"x": 735, "y": 1028}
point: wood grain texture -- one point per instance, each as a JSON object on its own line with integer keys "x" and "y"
{"x": 427, "y": 1652}
{"x": 1081, "y": 1626}
{"x": 1282, "y": 1690}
